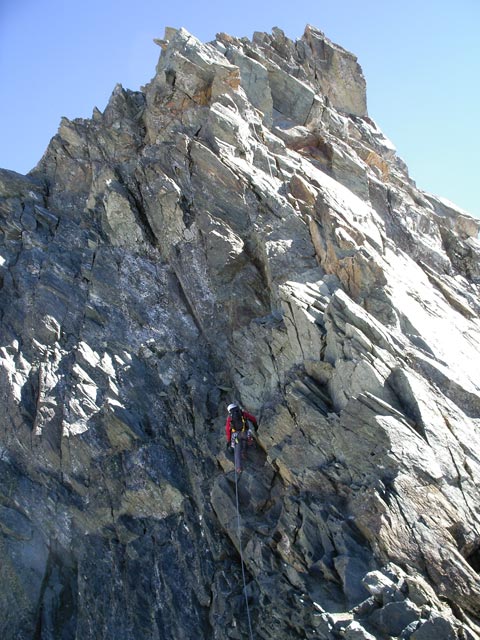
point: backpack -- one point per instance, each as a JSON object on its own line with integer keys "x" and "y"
{"x": 238, "y": 422}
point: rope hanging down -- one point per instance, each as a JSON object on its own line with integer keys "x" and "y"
{"x": 241, "y": 557}
{"x": 236, "y": 475}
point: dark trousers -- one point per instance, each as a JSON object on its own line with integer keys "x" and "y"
{"x": 240, "y": 448}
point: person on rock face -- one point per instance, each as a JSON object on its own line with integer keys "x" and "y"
{"x": 238, "y": 432}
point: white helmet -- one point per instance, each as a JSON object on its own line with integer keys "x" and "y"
{"x": 232, "y": 406}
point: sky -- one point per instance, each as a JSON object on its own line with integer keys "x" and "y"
{"x": 420, "y": 58}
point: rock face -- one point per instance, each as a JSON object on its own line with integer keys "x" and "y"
{"x": 239, "y": 229}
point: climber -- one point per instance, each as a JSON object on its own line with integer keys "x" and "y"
{"x": 238, "y": 432}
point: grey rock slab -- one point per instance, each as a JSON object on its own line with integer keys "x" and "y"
{"x": 437, "y": 628}
{"x": 254, "y": 80}
{"x": 330, "y": 62}
{"x": 351, "y": 570}
{"x": 355, "y": 631}
{"x": 290, "y": 97}
{"x": 394, "y": 617}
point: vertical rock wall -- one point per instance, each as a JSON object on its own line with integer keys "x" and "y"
{"x": 239, "y": 229}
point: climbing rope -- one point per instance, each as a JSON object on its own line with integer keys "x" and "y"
{"x": 241, "y": 557}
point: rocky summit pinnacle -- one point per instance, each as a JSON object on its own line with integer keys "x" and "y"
{"x": 240, "y": 230}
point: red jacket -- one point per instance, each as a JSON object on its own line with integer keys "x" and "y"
{"x": 247, "y": 416}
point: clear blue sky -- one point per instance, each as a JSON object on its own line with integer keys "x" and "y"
{"x": 421, "y": 60}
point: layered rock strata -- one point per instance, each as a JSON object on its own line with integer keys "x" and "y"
{"x": 239, "y": 229}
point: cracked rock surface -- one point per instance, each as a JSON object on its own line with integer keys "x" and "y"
{"x": 239, "y": 229}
